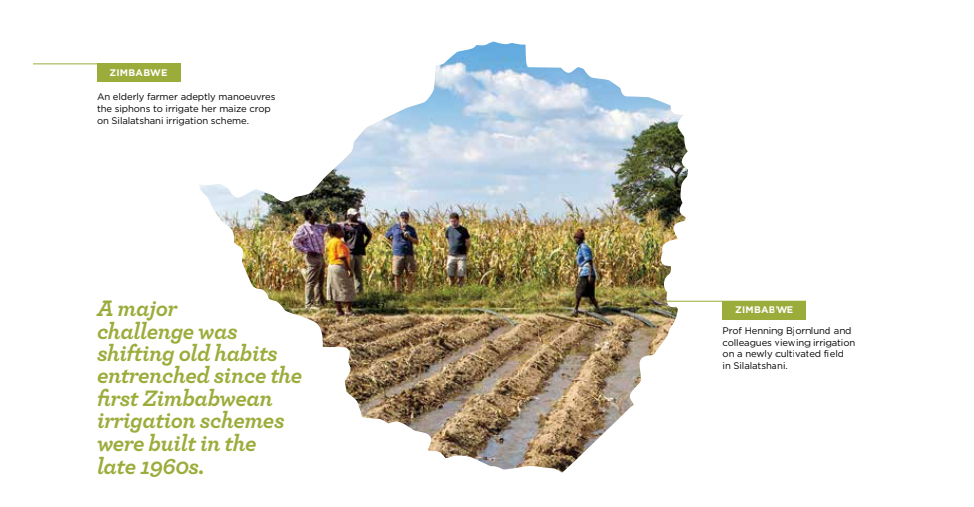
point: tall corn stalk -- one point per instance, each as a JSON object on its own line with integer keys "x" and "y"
{"x": 507, "y": 248}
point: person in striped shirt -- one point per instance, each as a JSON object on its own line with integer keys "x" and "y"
{"x": 310, "y": 240}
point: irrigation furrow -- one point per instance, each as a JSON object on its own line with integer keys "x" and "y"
{"x": 433, "y": 369}
{"x": 624, "y": 379}
{"x": 661, "y": 332}
{"x": 331, "y": 324}
{"x": 432, "y": 421}
{"x": 468, "y": 432}
{"x": 361, "y": 354}
{"x": 366, "y": 328}
{"x": 459, "y": 376}
{"x": 566, "y": 429}
{"x": 507, "y": 449}
{"x": 395, "y": 368}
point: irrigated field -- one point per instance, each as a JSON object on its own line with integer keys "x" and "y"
{"x": 533, "y": 393}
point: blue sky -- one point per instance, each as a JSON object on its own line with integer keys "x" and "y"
{"x": 495, "y": 133}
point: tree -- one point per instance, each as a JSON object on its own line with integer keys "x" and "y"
{"x": 651, "y": 175}
{"x": 333, "y": 195}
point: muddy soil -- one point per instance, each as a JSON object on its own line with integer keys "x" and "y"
{"x": 508, "y": 448}
{"x": 434, "y": 369}
{"x": 533, "y": 394}
{"x": 461, "y": 375}
{"x": 661, "y": 332}
{"x": 468, "y": 432}
{"x": 579, "y": 413}
{"x": 362, "y": 353}
{"x": 432, "y": 421}
{"x": 619, "y": 385}
{"x": 395, "y": 368}
{"x": 364, "y": 329}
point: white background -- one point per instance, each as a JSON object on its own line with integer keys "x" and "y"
{"x": 829, "y": 161}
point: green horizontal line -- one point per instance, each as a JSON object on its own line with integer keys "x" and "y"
{"x": 65, "y": 64}
{"x": 722, "y": 300}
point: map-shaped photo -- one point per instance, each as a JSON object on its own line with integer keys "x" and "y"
{"x": 490, "y": 257}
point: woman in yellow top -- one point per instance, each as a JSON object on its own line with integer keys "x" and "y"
{"x": 340, "y": 286}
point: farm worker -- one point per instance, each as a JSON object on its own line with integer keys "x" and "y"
{"x": 459, "y": 240}
{"x": 357, "y": 237}
{"x": 341, "y": 285}
{"x": 585, "y": 288}
{"x": 310, "y": 240}
{"x": 402, "y": 236}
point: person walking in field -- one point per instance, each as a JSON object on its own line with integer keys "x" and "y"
{"x": 340, "y": 287}
{"x": 402, "y": 236}
{"x": 310, "y": 240}
{"x": 585, "y": 288}
{"x": 357, "y": 237}
{"x": 456, "y": 262}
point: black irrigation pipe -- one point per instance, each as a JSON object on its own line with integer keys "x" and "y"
{"x": 630, "y": 312}
{"x": 569, "y": 319}
{"x": 507, "y": 319}
{"x": 450, "y": 310}
{"x": 661, "y": 312}
{"x": 593, "y": 315}
{"x": 638, "y": 317}
{"x": 620, "y": 309}
{"x": 653, "y": 301}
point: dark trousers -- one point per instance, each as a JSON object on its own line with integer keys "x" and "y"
{"x": 357, "y": 262}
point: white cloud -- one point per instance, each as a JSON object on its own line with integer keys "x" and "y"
{"x": 558, "y": 143}
{"x": 509, "y": 183}
{"x": 609, "y": 123}
{"x": 472, "y": 154}
{"x": 623, "y": 124}
{"x": 586, "y": 143}
{"x": 452, "y": 77}
{"x": 518, "y": 126}
{"x": 509, "y": 92}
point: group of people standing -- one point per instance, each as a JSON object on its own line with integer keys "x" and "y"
{"x": 333, "y": 267}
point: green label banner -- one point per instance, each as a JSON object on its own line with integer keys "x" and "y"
{"x": 763, "y": 310}
{"x": 139, "y": 72}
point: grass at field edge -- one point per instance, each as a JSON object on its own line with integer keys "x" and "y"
{"x": 522, "y": 299}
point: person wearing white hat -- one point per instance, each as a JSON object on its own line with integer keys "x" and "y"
{"x": 357, "y": 237}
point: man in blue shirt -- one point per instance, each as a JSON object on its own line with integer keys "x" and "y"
{"x": 586, "y": 272}
{"x": 401, "y": 237}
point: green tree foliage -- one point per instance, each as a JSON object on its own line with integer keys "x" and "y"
{"x": 652, "y": 173}
{"x": 332, "y": 197}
